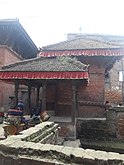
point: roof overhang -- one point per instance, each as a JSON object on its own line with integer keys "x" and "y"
{"x": 18, "y": 36}
{"x": 7, "y": 75}
{"x": 93, "y": 52}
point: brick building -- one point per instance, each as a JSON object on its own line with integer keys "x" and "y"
{"x": 101, "y": 56}
{"x": 67, "y": 91}
{"x": 7, "y": 56}
{"x": 114, "y": 90}
{"x": 15, "y": 46}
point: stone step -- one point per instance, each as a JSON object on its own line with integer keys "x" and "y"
{"x": 44, "y": 134}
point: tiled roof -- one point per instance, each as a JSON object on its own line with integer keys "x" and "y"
{"x": 47, "y": 64}
{"x": 82, "y": 43}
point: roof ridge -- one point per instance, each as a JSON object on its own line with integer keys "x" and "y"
{"x": 10, "y": 19}
{"x": 78, "y": 39}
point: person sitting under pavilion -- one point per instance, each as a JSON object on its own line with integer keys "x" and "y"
{"x": 20, "y": 105}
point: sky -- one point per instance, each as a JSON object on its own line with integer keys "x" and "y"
{"x": 49, "y": 21}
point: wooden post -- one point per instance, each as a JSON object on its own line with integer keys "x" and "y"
{"x": 73, "y": 112}
{"x": 44, "y": 96}
{"x": 38, "y": 91}
{"x": 73, "y": 109}
{"x": 16, "y": 92}
{"x": 56, "y": 99}
{"x": 29, "y": 96}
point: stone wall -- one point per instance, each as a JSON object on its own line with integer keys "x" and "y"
{"x": 92, "y": 128}
{"x": 15, "y": 151}
{"x": 109, "y": 128}
{"x": 115, "y": 119}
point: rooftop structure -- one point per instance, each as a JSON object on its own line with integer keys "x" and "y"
{"x": 13, "y": 35}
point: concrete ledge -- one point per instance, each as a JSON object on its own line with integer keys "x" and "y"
{"x": 18, "y": 150}
{"x": 15, "y": 148}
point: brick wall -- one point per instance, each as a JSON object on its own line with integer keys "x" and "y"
{"x": 7, "y": 56}
{"x": 93, "y": 94}
{"x": 59, "y": 98}
{"x": 114, "y": 96}
{"x": 10, "y": 56}
{"x": 90, "y": 111}
{"x": 6, "y": 91}
{"x": 94, "y": 91}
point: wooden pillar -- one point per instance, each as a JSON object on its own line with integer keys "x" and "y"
{"x": 74, "y": 101}
{"x": 56, "y": 99}
{"x": 44, "y": 96}
{"x": 16, "y": 92}
{"x": 38, "y": 91}
{"x": 29, "y": 96}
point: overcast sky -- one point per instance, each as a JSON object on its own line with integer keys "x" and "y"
{"x": 49, "y": 21}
